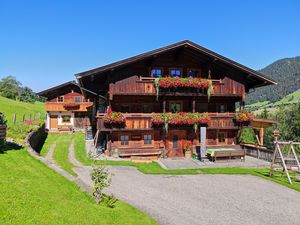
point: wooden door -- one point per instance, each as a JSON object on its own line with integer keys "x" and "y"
{"x": 175, "y": 138}
{"x": 53, "y": 122}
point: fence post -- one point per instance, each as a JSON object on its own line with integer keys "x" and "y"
{"x": 14, "y": 118}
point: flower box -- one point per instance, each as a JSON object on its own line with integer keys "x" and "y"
{"x": 179, "y": 120}
{"x": 114, "y": 120}
{"x": 243, "y": 118}
{"x": 177, "y": 84}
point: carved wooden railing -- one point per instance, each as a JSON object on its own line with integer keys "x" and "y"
{"x": 221, "y": 120}
{"x": 137, "y": 85}
{"x": 142, "y": 121}
{"x": 68, "y": 106}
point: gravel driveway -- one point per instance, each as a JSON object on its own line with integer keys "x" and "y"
{"x": 207, "y": 199}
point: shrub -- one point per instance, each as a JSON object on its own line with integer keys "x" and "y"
{"x": 247, "y": 136}
{"x": 102, "y": 179}
{"x": 2, "y": 119}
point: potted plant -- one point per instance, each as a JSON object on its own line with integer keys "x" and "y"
{"x": 187, "y": 149}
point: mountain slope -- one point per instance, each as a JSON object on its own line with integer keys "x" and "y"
{"x": 287, "y": 74}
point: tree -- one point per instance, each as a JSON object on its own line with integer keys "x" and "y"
{"x": 27, "y": 95}
{"x": 10, "y": 87}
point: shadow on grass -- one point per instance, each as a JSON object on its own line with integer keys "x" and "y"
{"x": 9, "y": 146}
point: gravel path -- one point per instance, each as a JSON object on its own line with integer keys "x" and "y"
{"x": 50, "y": 152}
{"x": 207, "y": 199}
{"x": 201, "y": 199}
{"x": 82, "y": 171}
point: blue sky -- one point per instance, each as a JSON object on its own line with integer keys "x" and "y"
{"x": 44, "y": 43}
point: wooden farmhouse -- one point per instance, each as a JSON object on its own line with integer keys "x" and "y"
{"x": 159, "y": 103}
{"x": 66, "y": 107}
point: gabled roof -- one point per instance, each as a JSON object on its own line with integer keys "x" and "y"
{"x": 265, "y": 80}
{"x": 62, "y": 89}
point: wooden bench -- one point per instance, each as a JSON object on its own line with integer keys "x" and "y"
{"x": 230, "y": 154}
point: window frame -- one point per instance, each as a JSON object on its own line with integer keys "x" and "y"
{"x": 151, "y": 140}
{"x": 176, "y": 102}
{"x": 225, "y": 137}
{"x": 219, "y": 108}
{"x": 157, "y": 68}
{"x": 124, "y": 142}
{"x": 176, "y": 68}
{"x": 177, "y": 142}
{"x": 198, "y": 70}
{"x": 63, "y": 99}
{"x": 80, "y": 99}
{"x": 62, "y": 119}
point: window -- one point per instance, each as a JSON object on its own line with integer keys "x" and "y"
{"x": 124, "y": 139}
{"x": 77, "y": 99}
{"x": 222, "y": 108}
{"x": 147, "y": 139}
{"x": 222, "y": 137}
{"x": 175, "y": 72}
{"x": 66, "y": 119}
{"x": 175, "y": 107}
{"x": 193, "y": 72}
{"x": 175, "y": 141}
{"x": 60, "y": 99}
{"x": 156, "y": 72}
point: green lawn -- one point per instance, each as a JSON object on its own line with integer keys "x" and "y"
{"x": 32, "y": 193}
{"x": 19, "y": 130}
{"x": 51, "y": 138}
{"x": 9, "y": 107}
{"x": 61, "y": 151}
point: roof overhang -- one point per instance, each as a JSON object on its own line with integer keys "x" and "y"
{"x": 260, "y": 79}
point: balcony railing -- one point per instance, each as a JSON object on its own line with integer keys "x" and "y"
{"x": 142, "y": 121}
{"x": 137, "y": 85}
{"x": 68, "y": 106}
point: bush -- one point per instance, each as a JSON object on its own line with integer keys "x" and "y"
{"x": 247, "y": 136}
{"x": 2, "y": 119}
{"x": 102, "y": 179}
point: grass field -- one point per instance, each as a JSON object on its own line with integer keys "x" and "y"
{"x": 19, "y": 130}
{"x": 32, "y": 193}
{"x": 9, "y": 107}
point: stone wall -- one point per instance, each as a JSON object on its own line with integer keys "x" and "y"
{"x": 2, "y": 132}
{"x": 37, "y": 138}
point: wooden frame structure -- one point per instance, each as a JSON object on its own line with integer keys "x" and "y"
{"x": 291, "y": 157}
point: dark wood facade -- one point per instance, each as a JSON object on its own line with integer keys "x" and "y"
{"x": 128, "y": 86}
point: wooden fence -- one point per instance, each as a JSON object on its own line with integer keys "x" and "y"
{"x": 26, "y": 117}
{"x": 258, "y": 152}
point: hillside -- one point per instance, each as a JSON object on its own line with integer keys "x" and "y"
{"x": 287, "y": 74}
{"x": 271, "y": 106}
{"x": 9, "y": 107}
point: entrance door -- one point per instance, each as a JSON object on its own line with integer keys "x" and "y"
{"x": 175, "y": 148}
{"x": 53, "y": 122}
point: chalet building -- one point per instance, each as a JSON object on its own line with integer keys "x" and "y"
{"x": 67, "y": 108}
{"x": 163, "y": 102}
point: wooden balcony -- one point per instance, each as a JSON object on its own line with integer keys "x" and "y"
{"x": 137, "y": 85}
{"x": 221, "y": 121}
{"x": 68, "y": 106}
{"x": 142, "y": 121}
